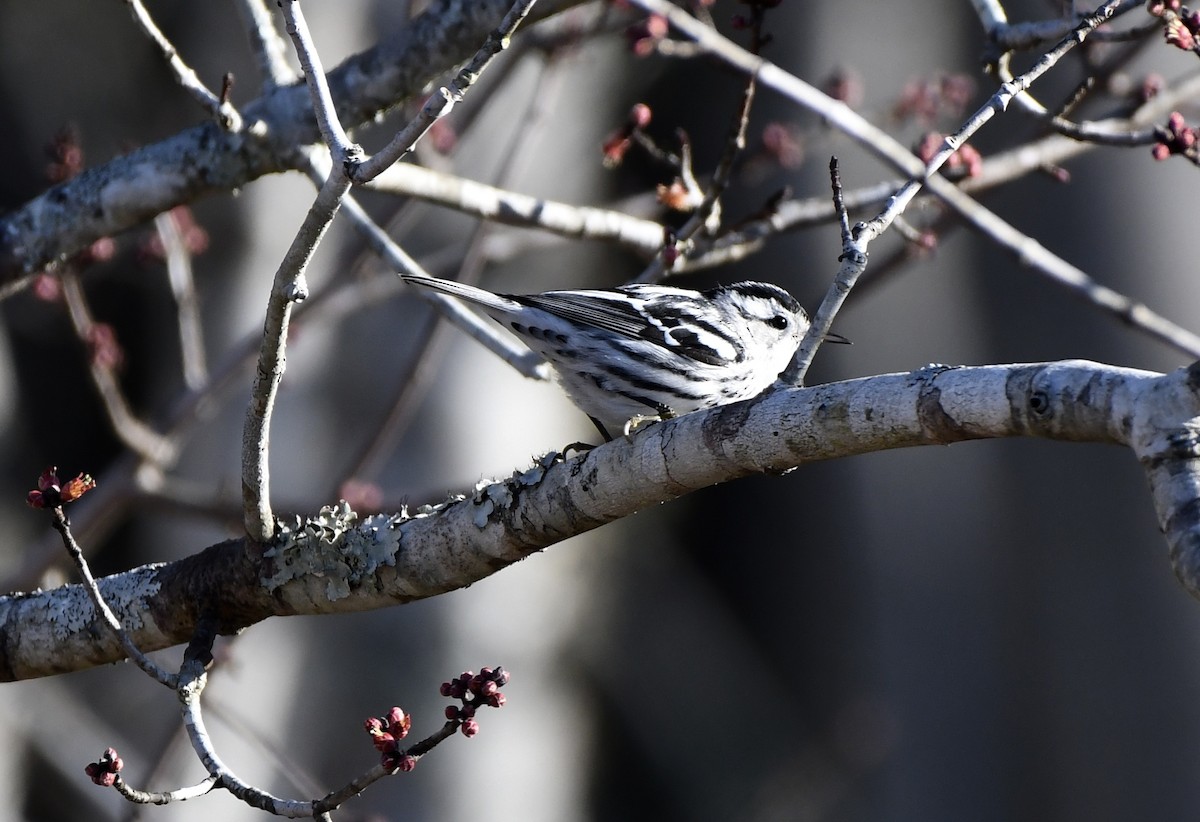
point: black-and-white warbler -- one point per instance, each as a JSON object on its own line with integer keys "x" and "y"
{"x": 642, "y": 351}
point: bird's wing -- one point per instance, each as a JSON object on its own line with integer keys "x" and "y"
{"x": 687, "y": 334}
{"x": 593, "y": 308}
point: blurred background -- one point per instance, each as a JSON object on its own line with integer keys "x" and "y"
{"x": 988, "y": 631}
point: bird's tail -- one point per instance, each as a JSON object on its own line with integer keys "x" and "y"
{"x": 469, "y": 293}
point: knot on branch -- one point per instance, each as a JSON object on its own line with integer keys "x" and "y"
{"x": 1039, "y": 404}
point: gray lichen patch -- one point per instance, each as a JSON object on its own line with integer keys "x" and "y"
{"x": 126, "y": 595}
{"x": 334, "y": 546}
{"x": 491, "y": 497}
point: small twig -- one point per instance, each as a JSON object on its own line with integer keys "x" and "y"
{"x": 334, "y": 799}
{"x": 269, "y": 47}
{"x": 1037, "y": 33}
{"x": 340, "y": 145}
{"x": 511, "y": 208}
{"x": 998, "y": 103}
{"x": 289, "y": 287}
{"x": 853, "y": 263}
{"x": 63, "y": 526}
{"x": 420, "y": 363}
{"x": 839, "y": 201}
{"x": 139, "y": 797}
{"x": 1086, "y": 131}
{"x": 880, "y": 143}
{"x": 475, "y": 692}
{"x": 137, "y": 435}
{"x": 193, "y": 677}
{"x": 485, "y": 332}
{"x": 222, "y": 110}
{"x": 708, "y": 208}
{"x": 183, "y": 288}
{"x": 445, "y": 98}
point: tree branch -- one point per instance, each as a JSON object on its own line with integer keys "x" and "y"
{"x": 125, "y": 192}
{"x": 338, "y": 562}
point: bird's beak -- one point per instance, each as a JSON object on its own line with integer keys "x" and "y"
{"x": 837, "y": 338}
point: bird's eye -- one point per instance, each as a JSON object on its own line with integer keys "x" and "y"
{"x": 778, "y": 322}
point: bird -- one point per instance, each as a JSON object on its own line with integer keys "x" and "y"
{"x": 642, "y": 352}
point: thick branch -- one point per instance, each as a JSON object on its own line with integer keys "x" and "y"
{"x": 338, "y": 562}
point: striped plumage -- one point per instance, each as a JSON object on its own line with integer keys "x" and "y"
{"x": 650, "y": 350}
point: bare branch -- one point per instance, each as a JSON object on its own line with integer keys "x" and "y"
{"x": 487, "y": 333}
{"x": 998, "y": 103}
{"x": 444, "y": 99}
{"x": 108, "y": 199}
{"x": 137, "y": 435}
{"x": 270, "y": 49}
{"x": 882, "y": 144}
{"x": 511, "y": 208}
{"x": 183, "y": 288}
{"x": 340, "y": 146}
{"x": 221, "y": 110}
{"x": 192, "y": 679}
{"x": 109, "y": 619}
{"x": 388, "y": 560}
{"x": 289, "y": 287}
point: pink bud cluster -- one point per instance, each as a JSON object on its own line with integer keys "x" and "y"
{"x": 104, "y": 772}
{"x": 474, "y": 690}
{"x": 1183, "y": 25}
{"x": 1176, "y": 138}
{"x": 617, "y": 144}
{"x": 386, "y": 733}
{"x": 645, "y": 35}
{"x": 966, "y": 161}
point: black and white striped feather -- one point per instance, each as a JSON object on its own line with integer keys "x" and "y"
{"x": 650, "y": 350}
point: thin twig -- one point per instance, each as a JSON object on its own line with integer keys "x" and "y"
{"x": 998, "y": 103}
{"x": 708, "y": 207}
{"x": 222, "y": 110}
{"x": 269, "y": 47}
{"x": 289, "y": 287}
{"x": 340, "y": 145}
{"x": 183, "y": 288}
{"x": 445, "y": 98}
{"x": 137, "y": 435}
{"x": 139, "y": 797}
{"x": 486, "y": 333}
{"x": 63, "y": 526}
{"x": 1036, "y": 34}
{"x": 1085, "y": 131}
{"x": 339, "y": 797}
{"x": 192, "y": 680}
{"x": 512, "y": 208}
{"x": 882, "y": 144}
{"x": 853, "y": 261}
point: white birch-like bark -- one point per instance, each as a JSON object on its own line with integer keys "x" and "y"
{"x": 336, "y": 561}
